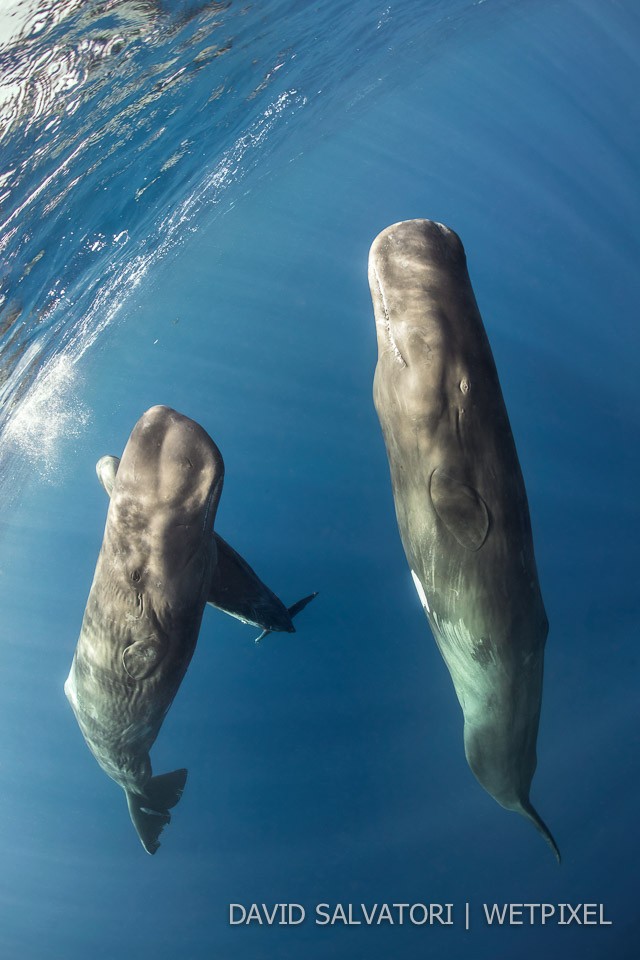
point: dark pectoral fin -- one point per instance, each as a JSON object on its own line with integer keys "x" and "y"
{"x": 237, "y": 590}
{"x": 461, "y": 509}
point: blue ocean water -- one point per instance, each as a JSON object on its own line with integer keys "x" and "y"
{"x": 189, "y": 192}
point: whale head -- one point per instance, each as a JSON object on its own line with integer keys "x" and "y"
{"x": 415, "y": 268}
{"x": 164, "y": 499}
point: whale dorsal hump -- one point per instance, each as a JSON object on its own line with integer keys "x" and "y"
{"x": 461, "y": 509}
{"x": 141, "y": 658}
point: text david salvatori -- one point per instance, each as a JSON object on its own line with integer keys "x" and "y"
{"x": 419, "y": 914}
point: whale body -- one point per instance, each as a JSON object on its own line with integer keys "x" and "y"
{"x": 159, "y": 565}
{"x": 460, "y": 500}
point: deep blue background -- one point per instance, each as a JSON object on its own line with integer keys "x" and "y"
{"x": 328, "y": 765}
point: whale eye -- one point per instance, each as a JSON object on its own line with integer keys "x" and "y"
{"x": 135, "y": 576}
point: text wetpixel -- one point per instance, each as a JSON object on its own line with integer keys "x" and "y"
{"x": 562, "y": 914}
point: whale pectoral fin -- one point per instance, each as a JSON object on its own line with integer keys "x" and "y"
{"x": 292, "y": 611}
{"x": 236, "y": 589}
{"x": 150, "y": 812}
{"x": 106, "y": 468}
{"x": 141, "y": 658}
{"x": 461, "y": 509}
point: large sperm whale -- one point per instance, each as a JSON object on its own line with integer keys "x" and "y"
{"x": 460, "y": 500}
{"x": 159, "y": 565}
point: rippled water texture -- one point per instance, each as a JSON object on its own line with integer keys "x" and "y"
{"x": 119, "y": 120}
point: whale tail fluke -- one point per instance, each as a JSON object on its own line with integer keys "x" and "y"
{"x": 527, "y": 810}
{"x": 292, "y": 611}
{"x": 150, "y": 812}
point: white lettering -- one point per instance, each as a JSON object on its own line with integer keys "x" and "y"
{"x": 418, "y": 914}
{"x": 515, "y": 911}
{"x": 270, "y": 917}
{"x": 606, "y": 923}
{"x": 573, "y": 914}
{"x": 322, "y": 911}
{"x": 385, "y": 914}
{"x": 301, "y": 914}
{"x": 401, "y": 908}
{"x": 369, "y": 917}
{"x": 436, "y": 913}
{"x": 233, "y": 908}
{"x": 494, "y": 914}
{"x": 339, "y": 914}
{"x": 412, "y": 914}
{"x": 254, "y": 914}
{"x": 547, "y": 910}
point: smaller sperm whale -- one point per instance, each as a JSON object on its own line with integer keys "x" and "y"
{"x": 159, "y": 565}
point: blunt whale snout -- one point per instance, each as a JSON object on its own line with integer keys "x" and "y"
{"x": 170, "y": 467}
{"x": 414, "y": 268}
{"x": 165, "y": 493}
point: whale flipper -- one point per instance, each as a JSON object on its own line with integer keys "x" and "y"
{"x": 237, "y": 589}
{"x": 292, "y": 611}
{"x": 106, "y": 468}
{"x": 150, "y": 813}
